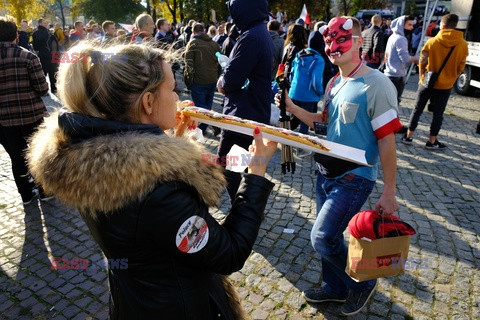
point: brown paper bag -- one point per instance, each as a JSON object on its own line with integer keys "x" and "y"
{"x": 379, "y": 258}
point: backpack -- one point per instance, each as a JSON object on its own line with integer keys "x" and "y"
{"x": 307, "y": 76}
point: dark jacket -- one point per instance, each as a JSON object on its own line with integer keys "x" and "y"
{"x": 289, "y": 54}
{"x": 201, "y": 64}
{"x": 220, "y": 39}
{"x": 277, "y": 51}
{"x": 23, "y": 40}
{"x": 229, "y": 43}
{"x": 40, "y": 41}
{"x": 161, "y": 39}
{"x": 144, "y": 198}
{"x": 373, "y": 47}
{"x": 251, "y": 59}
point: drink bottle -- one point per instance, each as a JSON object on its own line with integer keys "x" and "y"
{"x": 222, "y": 59}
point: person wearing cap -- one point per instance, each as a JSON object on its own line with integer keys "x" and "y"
{"x": 301, "y": 22}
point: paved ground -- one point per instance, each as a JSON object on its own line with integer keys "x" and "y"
{"x": 439, "y": 196}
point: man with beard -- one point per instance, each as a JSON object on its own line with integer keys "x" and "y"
{"x": 361, "y": 112}
{"x": 397, "y": 54}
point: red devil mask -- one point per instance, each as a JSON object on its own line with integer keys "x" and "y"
{"x": 337, "y": 36}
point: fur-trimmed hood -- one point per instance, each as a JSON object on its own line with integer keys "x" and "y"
{"x": 107, "y": 170}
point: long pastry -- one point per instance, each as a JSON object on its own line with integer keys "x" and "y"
{"x": 201, "y": 113}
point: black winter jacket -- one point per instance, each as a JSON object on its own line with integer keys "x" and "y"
{"x": 251, "y": 58}
{"x": 145, "y": 198}
{"x": 373, "y": 47}
{"x": 40, "y": 42}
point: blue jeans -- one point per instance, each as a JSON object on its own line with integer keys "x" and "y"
{"x": 338, "y": 200}
{"x": 202, "y": 96}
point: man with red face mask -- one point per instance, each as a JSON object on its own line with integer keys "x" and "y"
{"x": 361, "y": 112}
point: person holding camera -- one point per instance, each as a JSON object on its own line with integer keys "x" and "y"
{"x": 442, "y": 60}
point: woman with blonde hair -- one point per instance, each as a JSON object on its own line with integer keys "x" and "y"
{"x": 212, "y": 31}
{"x": 145, "y": 193}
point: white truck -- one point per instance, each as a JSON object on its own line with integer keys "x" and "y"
{"x": 468, "y": 12}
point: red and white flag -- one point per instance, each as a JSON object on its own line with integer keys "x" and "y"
{"x": 304, "y": 15}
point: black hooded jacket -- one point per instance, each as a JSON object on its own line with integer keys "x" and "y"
{"x": 251, "y": 58}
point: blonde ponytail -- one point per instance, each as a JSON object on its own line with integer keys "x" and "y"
{"x": 71, "y": 81}
{"x": 109, "y": 82}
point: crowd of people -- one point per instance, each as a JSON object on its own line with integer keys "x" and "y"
{"x": 117, "y": 150}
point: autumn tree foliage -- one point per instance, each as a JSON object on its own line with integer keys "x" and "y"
{"x": 27, "y": 9}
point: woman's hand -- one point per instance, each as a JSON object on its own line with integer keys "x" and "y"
{"x": 261, "y": 151}
{"x": 183, "y": 122}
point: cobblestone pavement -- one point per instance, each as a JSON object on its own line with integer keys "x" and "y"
{"x": 438, "y": 194}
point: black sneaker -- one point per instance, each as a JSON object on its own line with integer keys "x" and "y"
{"x": 357, "y": 300}
{"x": 30, "y": 198}
{"x": 216, "y": 131}
{"x": 436, "y": 145}
{"x": 406, "y": 140}
{"x": 319, "y": 295}
{"x": 46, "y": 198}
{"x": 42, "y": 196}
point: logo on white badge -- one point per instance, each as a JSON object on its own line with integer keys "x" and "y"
{"x": 192, "y": 236}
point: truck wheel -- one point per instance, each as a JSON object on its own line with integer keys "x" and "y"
{"x": 462, "y": 85}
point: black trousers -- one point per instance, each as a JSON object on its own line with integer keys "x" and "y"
{"x": 438, "y": 98}
{"x": 227, "y": 140}
{"x": 399, "y": 83}
{"x": 51, "y": 70}
{"x": 14, "y": 140}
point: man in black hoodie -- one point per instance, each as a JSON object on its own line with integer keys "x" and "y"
{"x": 251, "y": 59}
{"x": 41, "y": 39}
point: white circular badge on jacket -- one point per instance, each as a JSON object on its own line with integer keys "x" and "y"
{"x": 192, "y": 235}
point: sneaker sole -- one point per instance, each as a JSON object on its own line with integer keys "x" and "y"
{"x": 434, "y": 148}
{"x": 366, "y": 301}
{"x": 30, "y": 201}
{"x": 324, "y": 300}
{"x": 408, "y": 143}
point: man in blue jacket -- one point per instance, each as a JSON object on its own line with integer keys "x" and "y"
{"x": 251, "y": 59}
